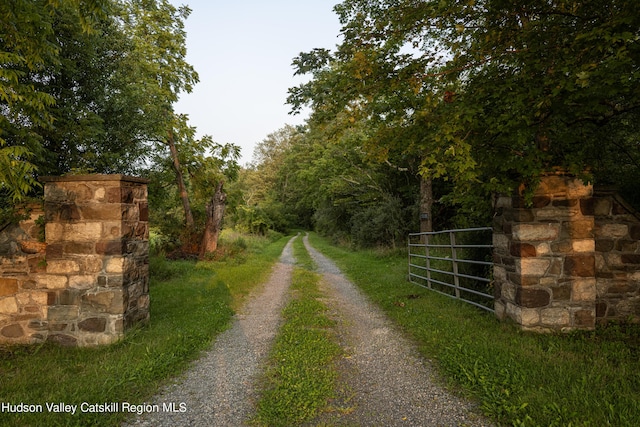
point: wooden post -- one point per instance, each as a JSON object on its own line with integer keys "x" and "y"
{"x": 426, "y": 205}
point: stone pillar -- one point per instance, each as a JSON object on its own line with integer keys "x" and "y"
{"x": 617, "y": 236}
{"x": 97, "y": 273}
{"x": 22, "y": 304}
{"x": 544, "y": 258}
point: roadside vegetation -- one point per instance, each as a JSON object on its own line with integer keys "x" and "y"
{"x": 191, "y": 302}
{"x": 520, "y": 379}
{"x": 301, "y": 377}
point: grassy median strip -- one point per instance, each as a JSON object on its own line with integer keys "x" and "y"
{"x": 190, "y": 304}
{"x": 520, "y": 379}
{"x": 300, "y": 378}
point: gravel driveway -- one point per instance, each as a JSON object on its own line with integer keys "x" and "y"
{"x": 384, "y": 382}
{"x": 387, "y": 383}
{"x": 219, "y": 389}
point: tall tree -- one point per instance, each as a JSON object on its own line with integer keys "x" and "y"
{"x": 180, "y": 130}
{"x": 28, "y": 46}
{"x": 487, "y": 93}
{"x": 96, "y": 126}
{"x": 158, "y": 62}
{"x": 87, "y": 85}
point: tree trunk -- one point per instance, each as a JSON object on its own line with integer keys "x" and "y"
{"x": 426, "y": 205}
{"x": 215, "y": 213}
{"x": 188, "y": 216}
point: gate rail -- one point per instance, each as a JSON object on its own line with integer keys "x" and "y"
{"x": 445, "y": 267}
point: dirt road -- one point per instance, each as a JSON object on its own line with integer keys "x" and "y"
{"x": 383, "y": 380}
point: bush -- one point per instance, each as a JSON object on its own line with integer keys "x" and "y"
{"x": 382, "y": 224}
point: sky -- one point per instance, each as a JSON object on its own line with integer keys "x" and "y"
{"x": 242, "y": 51}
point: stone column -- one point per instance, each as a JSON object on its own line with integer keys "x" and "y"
{"x": 544, "y": 257}
{"x": 617, "y": 237}
{"x": 96, "y": 273}
{"x": 22, "y": 304}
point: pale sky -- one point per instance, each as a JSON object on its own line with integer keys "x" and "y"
{"x": 242, "y": 51}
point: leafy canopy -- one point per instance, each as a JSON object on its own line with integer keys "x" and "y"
{"x": 86, "y": 86}
{"x": 488, "y": 93}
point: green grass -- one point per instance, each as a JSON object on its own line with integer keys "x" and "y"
{"x": 253, "y": 269}
{"x": 577, "y": 379}
{"x": 300, "y": 378}
{"x": 190, "y": 304}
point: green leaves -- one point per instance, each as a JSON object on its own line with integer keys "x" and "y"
{"x": 16, "y": 173}
{"x": 87, "y": 85}
{"x": 311, "y": 61}
{"x": 156, "y": 29}
{"x": 489, "y": 92}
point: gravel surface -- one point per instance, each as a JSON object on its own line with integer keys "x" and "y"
{"x": 384, "y": 381}
{"x": 387, "y": 382}
{"x": 219, "y": 389}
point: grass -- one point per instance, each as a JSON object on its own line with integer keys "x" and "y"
{"x": 578, "y": 379}
{"x": 251, "y": 268}
{"x": 520, "y": 379}
{"x": 300, "y": 378}
{"x": 190, "y": 304}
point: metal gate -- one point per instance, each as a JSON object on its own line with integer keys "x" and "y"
{"x": 456, "y": 263}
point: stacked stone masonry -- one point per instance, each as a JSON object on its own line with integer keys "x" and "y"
{"x": 569, "y": 259}
{"x": 89, "y": 281}
{"x": 617, "y": 257}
